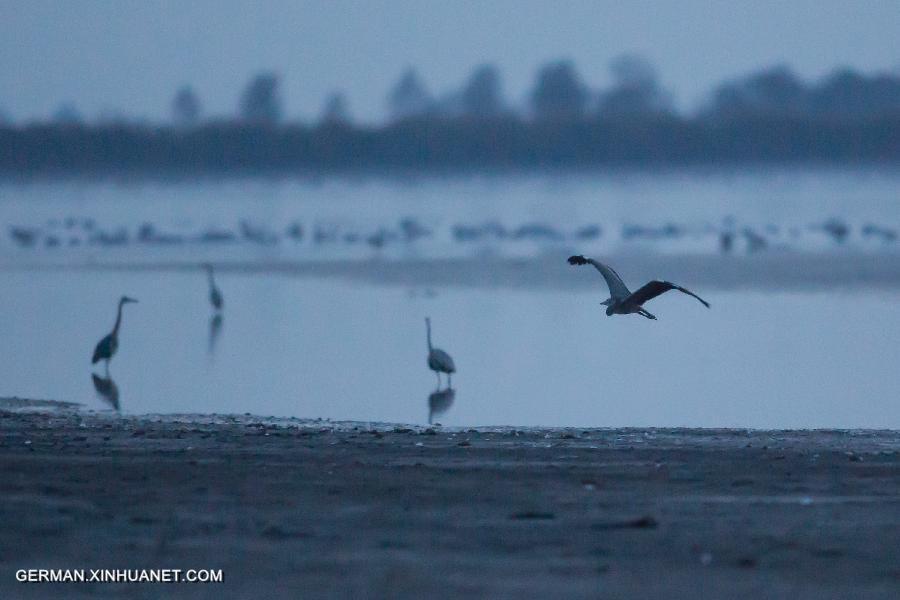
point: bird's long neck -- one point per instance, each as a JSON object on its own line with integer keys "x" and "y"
{"x": 428, "y": 334}
{"x": 115, "y": 330}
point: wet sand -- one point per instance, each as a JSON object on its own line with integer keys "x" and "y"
{"x": 765, "y": 271}
{"x": 308, "y": 509}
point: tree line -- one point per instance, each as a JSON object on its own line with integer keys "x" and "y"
{"x": 768, "y": 116}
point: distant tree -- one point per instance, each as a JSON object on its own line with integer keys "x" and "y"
{"x": 185, "y": 106}
{"x": 409, "y": 97}
{"x": 559, "y": 92}
{"x": 448, "y": 105}
{"x": 849, "y": 93}
{"x": 67, "y": 114}
{"x": 778, "y": 89}
{"x": 261, "y": 101}
{"x": 774, "y": 91}
{"x": 482, "y": 95}
{"x": 636, "y": 90}
{"x": 631, "y": 70}
{"x": 335, "y": 111}
{"x": 110, "y": 116}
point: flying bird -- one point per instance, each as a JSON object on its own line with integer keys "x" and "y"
{"x": 215, "y": 295}
{"x": 438, "y": 360}
{"x": 106, "y": 348}
{"x": 623, "y": 301}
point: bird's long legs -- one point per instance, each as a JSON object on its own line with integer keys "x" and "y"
{"x": 644, "y": 313}
{"x": 449, "y": 383}
{"x": 438, "y": 374}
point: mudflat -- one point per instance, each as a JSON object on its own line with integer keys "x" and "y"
{"x": 316, "y": 509}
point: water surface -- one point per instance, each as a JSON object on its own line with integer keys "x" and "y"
{"x": 309, "y": 347}
{"x": 532, "y": 346}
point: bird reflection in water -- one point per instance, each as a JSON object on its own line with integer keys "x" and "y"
{"x": 107, "y": 390}
{"x": 217, "y": 301}
{"x": 215, "y": 328}
{"x": 440, "y": 402}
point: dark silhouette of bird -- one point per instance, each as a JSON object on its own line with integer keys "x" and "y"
{"x": 440, "y": 402}
{"x": 624, "y": 302}
{"x": 215, "y": 294}
{"x": 438, "y": 360}
{"x": 215, "y": 327}
{"x": 107, "y": 389}
{"x": 106, "y": 348}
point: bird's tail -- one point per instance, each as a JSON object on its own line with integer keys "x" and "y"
{"x": 578, "y": 260}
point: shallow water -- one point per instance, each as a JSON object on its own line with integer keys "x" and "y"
{"x": 532, "y": 346}
{"x": 339, "y": 349}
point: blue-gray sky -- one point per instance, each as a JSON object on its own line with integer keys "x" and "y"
{"x": 129, "y": 56}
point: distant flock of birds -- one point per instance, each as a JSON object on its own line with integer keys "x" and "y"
{"x": 621, "y": 301}
{"x": 73, "y": 232}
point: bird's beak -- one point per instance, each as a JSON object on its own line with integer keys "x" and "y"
{"x": 131, "y": 300}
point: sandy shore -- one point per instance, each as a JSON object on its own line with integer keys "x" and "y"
{"x": 769, "y": 271}
{"x": 300, "y": 509}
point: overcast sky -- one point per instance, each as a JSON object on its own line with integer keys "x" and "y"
{"x": 129, "y": 56}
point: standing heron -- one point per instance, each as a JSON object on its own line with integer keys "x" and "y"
{"x": 215, "y": 295}
{"x": 106, "y": 348}
{"x": 438, "y": 360}
{"x": 623, "y": 301}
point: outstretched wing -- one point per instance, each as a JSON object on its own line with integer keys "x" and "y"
{"x": 655, "y": 288}
{"x": 617, "y": 288}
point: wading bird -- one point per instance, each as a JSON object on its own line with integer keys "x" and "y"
{"x": 215, "y": 295}
{"x": 438, "y": 360}
{"x": 624, "y": 302}
{"x": 107, "y": 347}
